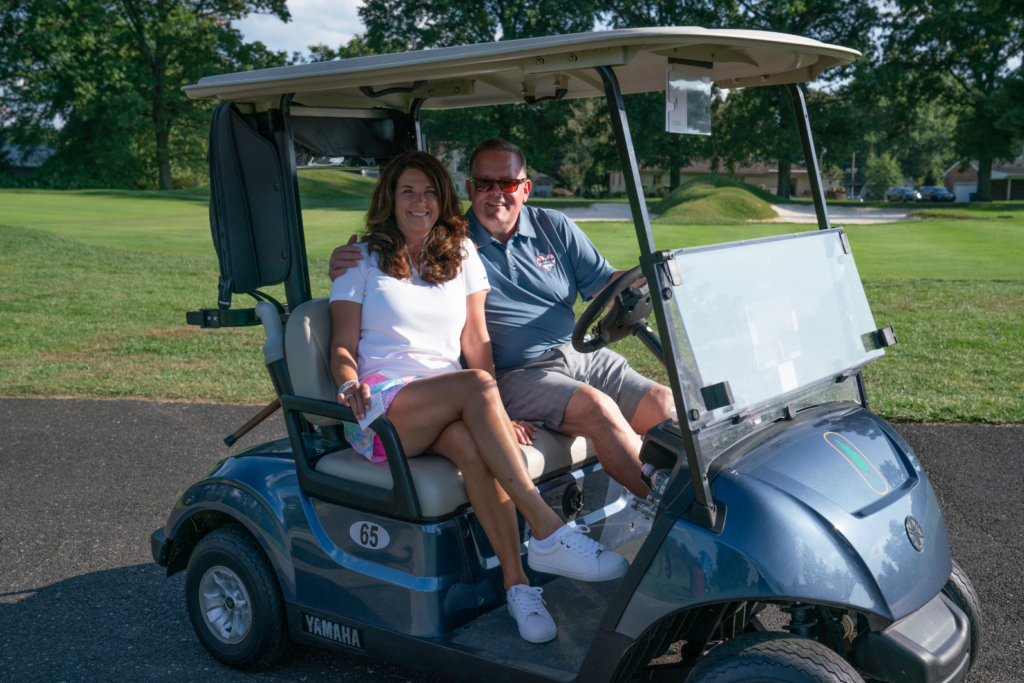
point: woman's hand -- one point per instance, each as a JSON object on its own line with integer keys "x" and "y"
{"x": 356, "y": 397}
{"x": 525, "y": 432}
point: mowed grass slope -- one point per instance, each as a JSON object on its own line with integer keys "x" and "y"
{"x": 106, "y": 318}
{"x": 334, "y": 203}
{"x": 714, "y": 200}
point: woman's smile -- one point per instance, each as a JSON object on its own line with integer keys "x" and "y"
{"x": 416, "y": 205}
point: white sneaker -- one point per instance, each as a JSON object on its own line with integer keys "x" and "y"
{"x": 527, "y": 607}
{"x": 578, "y": 557}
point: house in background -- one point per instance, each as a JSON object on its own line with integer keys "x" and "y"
{"x": 1007, "y": 180}
{"x": 765, "y": 176}
{"x": 23, "y": 160}
{"x": 543, "y": 184}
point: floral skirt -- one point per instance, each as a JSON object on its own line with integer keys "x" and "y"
{"x": 365, "y": 441}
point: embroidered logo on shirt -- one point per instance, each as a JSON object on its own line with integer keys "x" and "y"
{"x": 546, "y": 261}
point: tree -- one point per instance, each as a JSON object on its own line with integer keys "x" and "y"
{"x": 961, "y": 53}
{"x": 420, "y": 24}
{"x": 882, "y": 172}
{"x": 548, "y": 132}
{"x": 112, "y": 71}
{"x": 774, "y": 138}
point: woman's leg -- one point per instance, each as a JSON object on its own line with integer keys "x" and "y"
{"x": 493, "y": 507}
{"x": 423, "y": 409}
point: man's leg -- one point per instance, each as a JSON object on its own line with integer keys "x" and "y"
{"x": 593, "y": 414}
{"x": 655, "y": 407}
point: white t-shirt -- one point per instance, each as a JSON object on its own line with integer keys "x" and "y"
{"x": 409, "y": 327}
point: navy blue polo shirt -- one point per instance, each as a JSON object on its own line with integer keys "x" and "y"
{"x": 535, "y": 280}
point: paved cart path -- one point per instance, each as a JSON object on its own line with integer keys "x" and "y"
{"x": 844, "y": 215}
{"x": 83, "y": 483}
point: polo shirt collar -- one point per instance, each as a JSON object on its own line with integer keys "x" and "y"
{"x": 478, "y": 233}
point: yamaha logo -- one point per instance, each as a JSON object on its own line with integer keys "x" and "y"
{"x": 345, "y": 635}
{"x": 915, "y": 534}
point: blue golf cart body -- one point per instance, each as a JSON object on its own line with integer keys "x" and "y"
{"x": 787, "y": 496}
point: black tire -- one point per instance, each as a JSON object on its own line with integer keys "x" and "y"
{"x": 960, "y": 590}
{"x": 772, "y": 658}
{"x": 266, "y": 642}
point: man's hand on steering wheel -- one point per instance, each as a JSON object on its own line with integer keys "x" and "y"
{"x": 628, "y": 300}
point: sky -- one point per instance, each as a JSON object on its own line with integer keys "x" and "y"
{"x": 331, "y": 22}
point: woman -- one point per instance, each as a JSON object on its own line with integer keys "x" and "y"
{"x": 400, "y": 320}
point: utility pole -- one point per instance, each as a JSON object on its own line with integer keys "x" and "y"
{"x": 853, "y": 176}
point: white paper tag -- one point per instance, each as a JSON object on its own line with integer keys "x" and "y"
{"x": 687, "y": 101}
{"x": 375, "y": 411}
{"x": 787, "y": 375}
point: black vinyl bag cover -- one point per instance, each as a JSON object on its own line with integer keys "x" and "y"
{"x": 334, "y": 137}
{"x": 248, "y": 207}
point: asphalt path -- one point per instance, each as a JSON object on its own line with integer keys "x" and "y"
{"x": 83, "y": 484}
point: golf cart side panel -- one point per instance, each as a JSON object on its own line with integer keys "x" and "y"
{"x": 850, "y": 550}
{"x": 418, "y": 583}
{"x": 258, "y": 492}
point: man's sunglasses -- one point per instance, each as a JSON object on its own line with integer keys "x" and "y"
{"x": 506, "y": 184}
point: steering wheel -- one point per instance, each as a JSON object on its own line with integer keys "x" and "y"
{"x": 630, "y": 308}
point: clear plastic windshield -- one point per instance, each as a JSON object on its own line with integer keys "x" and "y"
{"x": 772, "y": 316}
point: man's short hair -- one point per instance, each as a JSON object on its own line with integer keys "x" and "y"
{"x": 497, "y": 145}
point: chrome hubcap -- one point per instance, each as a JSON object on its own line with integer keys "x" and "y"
{"x": 225, "y": 605}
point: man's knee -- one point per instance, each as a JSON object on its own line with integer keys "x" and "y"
{"x": 590, "y": 408}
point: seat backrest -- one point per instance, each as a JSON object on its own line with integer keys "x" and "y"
{"x": 307, "y": 351}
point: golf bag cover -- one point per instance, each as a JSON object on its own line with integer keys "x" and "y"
{"x": 248, "y": 206}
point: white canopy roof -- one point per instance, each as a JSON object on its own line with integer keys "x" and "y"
{"x": 507, "y": 71}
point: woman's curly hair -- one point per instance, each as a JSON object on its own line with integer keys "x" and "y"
{"x": 443, "y": 252}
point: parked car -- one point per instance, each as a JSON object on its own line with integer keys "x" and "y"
{"x": 935, "y": 193}
{"x": 902, "y": 194}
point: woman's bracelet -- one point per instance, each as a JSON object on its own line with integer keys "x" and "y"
{"x": 344, "y": 387}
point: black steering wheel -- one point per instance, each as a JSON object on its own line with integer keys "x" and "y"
{"x": 629, "y": 310}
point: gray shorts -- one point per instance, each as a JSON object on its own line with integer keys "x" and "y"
{"x": 539, "y": 390}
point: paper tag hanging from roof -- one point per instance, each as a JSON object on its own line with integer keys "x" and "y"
{"x": 687, "y": 100}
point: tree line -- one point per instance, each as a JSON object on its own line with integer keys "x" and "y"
{"x": 940, "y": 82}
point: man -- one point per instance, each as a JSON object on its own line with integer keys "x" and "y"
{"x": 538, "y": 262}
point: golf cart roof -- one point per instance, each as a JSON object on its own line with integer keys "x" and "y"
{"x": 511, "y": 71}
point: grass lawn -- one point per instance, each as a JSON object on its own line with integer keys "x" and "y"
{"x": 102, "y": 314}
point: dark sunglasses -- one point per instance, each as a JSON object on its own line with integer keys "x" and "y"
{"x": 506, "y": 184}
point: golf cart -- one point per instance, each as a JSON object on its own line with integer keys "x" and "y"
{"x": 797, "y": 537}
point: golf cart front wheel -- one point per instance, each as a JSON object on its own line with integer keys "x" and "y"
{"x": 960, "y": 590}
{"x": 774, "y": 657}
{"x": 234, "y": 601}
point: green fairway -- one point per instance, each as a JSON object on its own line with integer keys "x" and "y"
{"x": 178, "y": 224}
{"x": 921, "y": 249}
{"x": 334, "y": 203}
{"x": 102, "y": 314}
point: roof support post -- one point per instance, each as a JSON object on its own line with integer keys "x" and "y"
{"x": 658, "y": 281}
{"x": 803, "y": 123}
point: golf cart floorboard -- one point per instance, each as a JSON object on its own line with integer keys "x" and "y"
{"x": 577, "y": 608}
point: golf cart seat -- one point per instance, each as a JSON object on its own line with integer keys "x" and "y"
{"x": 438, "y": 482}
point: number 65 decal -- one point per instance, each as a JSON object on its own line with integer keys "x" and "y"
{"x": 369, "y": 535}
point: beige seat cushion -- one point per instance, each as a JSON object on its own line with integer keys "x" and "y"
{"x": 307, "y": 351}
{"x": 439, "y": 483}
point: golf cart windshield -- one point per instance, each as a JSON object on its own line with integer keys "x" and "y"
{"x": 771, "y": 317}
